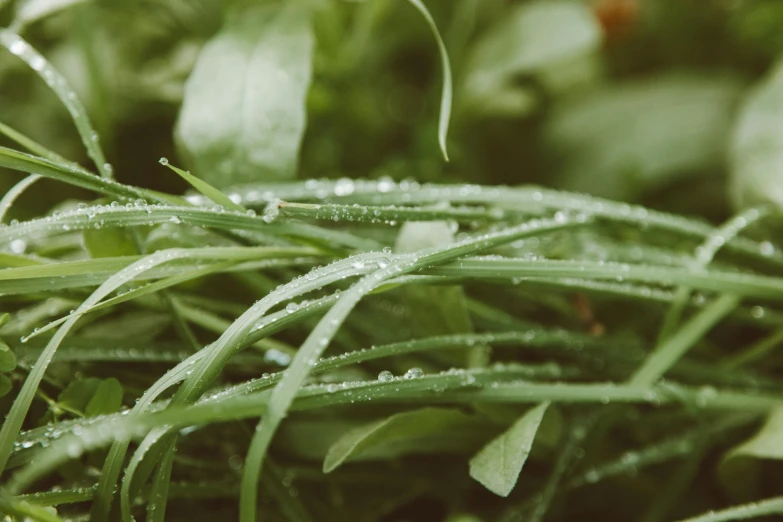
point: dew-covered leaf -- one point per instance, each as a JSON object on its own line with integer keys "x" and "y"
{"x": 243, "y": 113}
{"x": 106, "y": 399}
{"x": 625, "y": 140}
{"x": 7, "y": 358}
{"x": 498, "y": 465}
{"x": 757, "y": 145}
{"x": 548, "y": 39}
{"x": 428, "y": 430}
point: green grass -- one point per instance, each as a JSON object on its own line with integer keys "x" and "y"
{"x": 311, "y": 346}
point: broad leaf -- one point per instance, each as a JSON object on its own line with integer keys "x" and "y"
{"x": 108, "y": 242}
{"x": 7, "y": 358}
{"x": 623, "y": 141}
{"x": 428, "y": 430}
{"x": 243, "y": 113}
{"x": 547, "y": 39}
{"x": 79, "y": 393}
{"x": 498, "y": 464}
{"x": 740, "y": 472}
{"x": 106, "y": 399}
{"x": 5, "y": 385}
{"x": 436, "y": 310}
{"x": 757, "y": 145}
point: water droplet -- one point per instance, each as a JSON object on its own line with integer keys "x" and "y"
{"x": 766, "y": 248}
{"x": 18, "y": 246}
{"x": 18, "y": 47}
{"x": 163, "y": 161}
{"x": 235, "y": 462}
{"x": 413, "y": 373}
{"x": 385, "y": 376}
{"x": 757, "y": 312}
{"x": 343, "y": 187}
{"x": 37, "y": 62}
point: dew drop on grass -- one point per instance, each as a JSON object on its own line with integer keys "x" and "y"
{"x": 235, "y": 462}
{"x": 385, "y": 376}
{"x": 414, "y": 373}
{"x": 163, "y": 161}
{"x": 766, "y": 248}
{"x": 757, "y": 312}
{"x": 18, "y": 246}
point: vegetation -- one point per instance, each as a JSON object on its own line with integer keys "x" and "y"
{"x": 463, "y": 260}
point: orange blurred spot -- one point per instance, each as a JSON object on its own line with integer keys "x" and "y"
{"x": 617, "y": 17}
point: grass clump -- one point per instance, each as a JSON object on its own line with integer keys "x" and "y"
{"x": 325, "y": 320}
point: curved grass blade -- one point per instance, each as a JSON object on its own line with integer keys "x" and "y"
{"x": 211, "y": 361}
{"x": 205, "y": 188}
{"x": 531, "y": 200}
{"x": 232, "y": 254}
{"x": 33, "y": 146}
{"x": 740, "y": 284}
{"x": 705, "y": 253}
{"x": 140, "y": 213}
{"x": 319, "y": 338}
{"x": 770, "y": 506}
{"x": 77, "y": 176}
{"x": 668, "y": 353}
{"x": 457, "y": 387}
{"x": 14, "y": 192}
{"x": 20, "y": 48}
{"x": 446, "y": 93}
{"x": 384, "y": 214}
{"x": 18, "y": 411}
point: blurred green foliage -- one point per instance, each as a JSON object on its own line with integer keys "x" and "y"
{"x": 631, "y": 99}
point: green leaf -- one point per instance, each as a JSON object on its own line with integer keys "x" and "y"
{"x": 5, "y": 385}
{"x": 205, "y": 188}
{"x": 498, "y": 464}
{"x": 446, "y": 93}
{"x": 623, "y": 141}
{"x": 4, "y": 317}
{"x": 427, "y": 430}
{"x": 740, "y": 472}
{"x": 106, "y": 399}
{"x": 79, "y": 393}
{"x": 243, "y": 113}
{"x": 436, "y": 309}
{"x": 7, "y": 358}
{"x": 531, "y": 38}
{"x": 108, "y": 242}
{"x": 757, "y": 145}
{"x": 30, "y": 11}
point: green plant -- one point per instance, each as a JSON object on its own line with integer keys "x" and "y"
{"x": 286, "y": 342}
